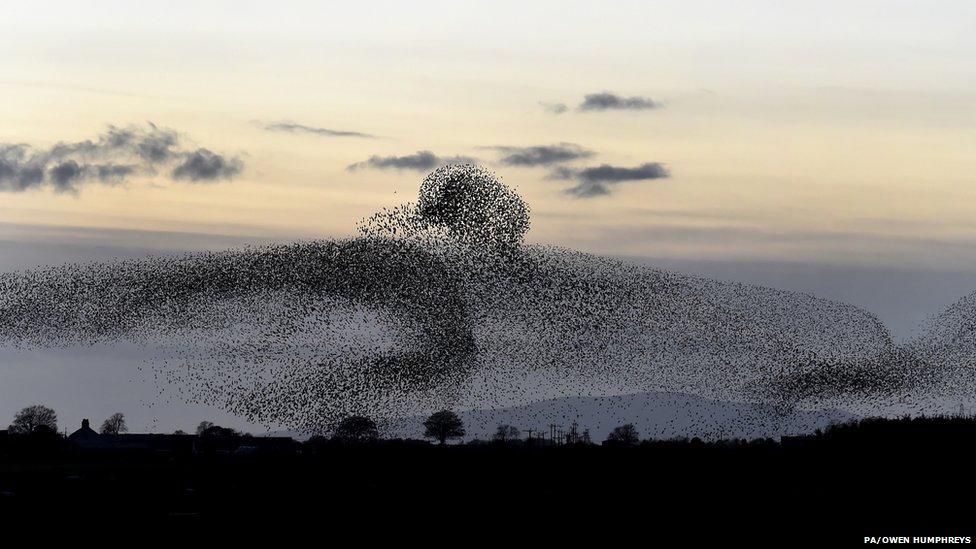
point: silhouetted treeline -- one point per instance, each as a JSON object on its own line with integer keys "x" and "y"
{"x": 915, "y": 434}
{"x": 788, "y": 484}
{"x": 918, "y": 433}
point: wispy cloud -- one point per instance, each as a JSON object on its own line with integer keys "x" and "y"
{"x": 541, "y": 155}
{"x": 419, "y": 161}
{"x": 554, "y": 108}
{"x": 204, "y": 165}
{"x": 291, "y": 127}
{"x": 599, "y": 180}
{"x": 111, "y": 158}
{"x": 606, "y": 101}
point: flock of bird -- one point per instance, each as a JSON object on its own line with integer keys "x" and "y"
{"x": 440, "y": 304}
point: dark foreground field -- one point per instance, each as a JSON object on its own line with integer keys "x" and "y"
{"x": 834, "y": 495}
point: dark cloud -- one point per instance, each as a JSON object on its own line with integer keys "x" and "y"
{"x": 554, "y": 108}
{"x": 111, "y": 158}
{"x": 150, "y": 143}
{"x": 606, "y": 101}
{"x": 598, "y": 180}
{"x": 64, "y": 175}
{"x": 113, "y": 173}
{"x": 204, "y": 165}
{"x": 156, "y": 146}
{"x": 17, "y": 171}
{"x": 291, "y": 127}
{"x": 420, "y": 161}
{"x": 542, "y": 155}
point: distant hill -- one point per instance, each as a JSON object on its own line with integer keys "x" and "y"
{"x": 656, "y": 415}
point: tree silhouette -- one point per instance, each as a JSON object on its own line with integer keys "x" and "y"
{"x": 212, "y": 430}
{"x": 506, "y": 433}
{"x": 624, "y": 435}
{"x": 443, "y": 425}
{"x": 114, "y": 425}
{"x": 34, "y": 418}
{"x": 356, "y": 430}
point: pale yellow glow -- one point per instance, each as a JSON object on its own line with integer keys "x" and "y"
{"x": 785, "y": 125}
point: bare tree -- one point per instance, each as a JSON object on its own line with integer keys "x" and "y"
{"x": 32, "y": 418}
{"x": 624, "y": 435}
{"x": 506, "y": 433}
{"x": 204, "y": 425}
{"x": 114, "y": 425}
{"x": 443, "y": 425}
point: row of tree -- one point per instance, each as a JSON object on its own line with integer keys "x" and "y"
{"x": 440, "y": 426}
{"x": 445, "y": 425}
{"x": 39, "y": 418}
{"x": 356, "y": 429}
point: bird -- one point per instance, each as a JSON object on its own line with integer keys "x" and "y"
{"x": 440, "y": 303}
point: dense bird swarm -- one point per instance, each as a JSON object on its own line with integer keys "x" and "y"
{"x": 440, "y": 304}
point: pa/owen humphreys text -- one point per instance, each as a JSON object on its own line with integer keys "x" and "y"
{"x": 890, "y": 540}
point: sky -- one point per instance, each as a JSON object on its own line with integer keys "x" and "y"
{"x": 825, "y": 147}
